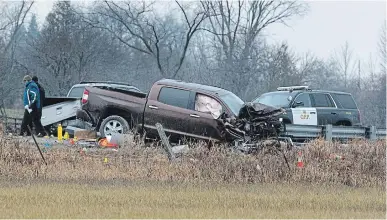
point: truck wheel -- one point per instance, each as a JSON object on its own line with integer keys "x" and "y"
{"x": 114, "y": 124}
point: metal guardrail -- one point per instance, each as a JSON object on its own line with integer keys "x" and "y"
{"x": 302, "y": 131}
{"x": 329, "y": 132}
{"x": 381, "y": 134}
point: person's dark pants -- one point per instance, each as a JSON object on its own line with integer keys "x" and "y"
{"x": 32, "y": 118}
{"x": 38, "y": 123}
{"x": 36, "y": 115}
{"x": 27, "y": 120}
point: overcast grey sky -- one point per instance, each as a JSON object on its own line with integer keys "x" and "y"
{"x": 324, "y": 29}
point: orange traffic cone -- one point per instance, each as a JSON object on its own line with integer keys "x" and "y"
{"x": 300, "y": 163}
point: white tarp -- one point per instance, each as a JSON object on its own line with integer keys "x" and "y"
{"x": 207, "y": 104}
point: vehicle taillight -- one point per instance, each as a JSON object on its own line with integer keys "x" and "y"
{"x": 85, "y": 96}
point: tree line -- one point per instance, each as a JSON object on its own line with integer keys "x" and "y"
{"x": 220, "y": 43}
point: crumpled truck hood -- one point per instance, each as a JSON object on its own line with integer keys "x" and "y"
{"x": 250, "y": 117}
{"x": 255, "y": 111}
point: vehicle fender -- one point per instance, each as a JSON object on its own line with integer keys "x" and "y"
{"x": 287, "y": 116}
{"x": 344, "y": 119}
{"x": 116, "y": 111}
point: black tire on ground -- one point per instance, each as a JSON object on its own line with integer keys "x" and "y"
{"x": 115, "y": 124}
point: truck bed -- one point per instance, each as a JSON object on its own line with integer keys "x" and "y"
{"x": 132, "y": 93}
{"x": 127, "y": 104}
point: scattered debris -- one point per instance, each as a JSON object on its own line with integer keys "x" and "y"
{"x": 66, "y": 136}
{"x": 72, "y": 141}
{"x": 85, "y": 134}
{"x": 104, "y": 142}
{"x": 87, "y": 143}
{"x": 180, "y": 149}
{"x": 79, "y": 124}
{"x": 47, "y": 144}
{"x": 336, "y": 157}
{"x": 300, "y": 162}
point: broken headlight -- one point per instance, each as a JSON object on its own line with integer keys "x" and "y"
{"x": 282, "y": 126}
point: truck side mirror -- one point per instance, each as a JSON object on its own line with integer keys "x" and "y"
{"x": 297, "y": 104}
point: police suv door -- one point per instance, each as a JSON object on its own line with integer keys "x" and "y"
{"x": 302, "y": 110}
{"x": 326, "y": 108}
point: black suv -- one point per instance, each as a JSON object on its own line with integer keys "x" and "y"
{"x": 313, "y": 107}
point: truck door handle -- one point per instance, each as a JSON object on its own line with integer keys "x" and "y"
{"x": 194, "y": 116}
{"x": 59, "y": 108}
{"x": 312, "y": 112}
{"x": 333, "y": 113}
{"x": 153, "y": 107}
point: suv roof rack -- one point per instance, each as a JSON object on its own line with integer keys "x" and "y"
{"x": 107, "y": 82}
{"x": 291, "y": 88}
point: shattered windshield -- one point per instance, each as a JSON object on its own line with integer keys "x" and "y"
{"x": 277, "y": 99}
{"x": 233, "y": 102}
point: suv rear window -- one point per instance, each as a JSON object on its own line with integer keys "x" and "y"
{"x": 321, "y": 100}
{"x": 175, "y": 97}
{"x": 345, "y": 101}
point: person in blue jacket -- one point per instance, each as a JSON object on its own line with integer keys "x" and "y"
{"x": 31, "y": 100}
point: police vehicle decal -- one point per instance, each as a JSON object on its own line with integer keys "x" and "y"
{"x": 304, "y": 116}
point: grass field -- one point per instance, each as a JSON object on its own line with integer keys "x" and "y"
{"x": 136, "y": 200}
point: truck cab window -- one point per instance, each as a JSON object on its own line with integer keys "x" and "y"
{"x": 209, "y": 105}
{"x": 175, "y": 97}
{"x": 321, "y": 100}
{"x": 304, "y": 98}
{"x": 76, "y": 92}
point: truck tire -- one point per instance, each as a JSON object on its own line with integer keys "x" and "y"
{"x": 114, "y": 124}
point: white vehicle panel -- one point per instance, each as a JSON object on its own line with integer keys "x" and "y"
{"x": 304, "y": 116}
{"x": 58, "y": 112}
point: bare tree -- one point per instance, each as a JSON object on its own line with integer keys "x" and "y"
{"x": 382, "y": 78}
{"x": 383, "y": 49}
{"x": 241, "y": 23}
{"x": 12, "y": 18}
{"x": 345, "y": 62}
{"x": 236, "y": 27}
{"x": 136, "y": 26}
{"x": 70, "y": 49}
{"x": 372, "y": 70}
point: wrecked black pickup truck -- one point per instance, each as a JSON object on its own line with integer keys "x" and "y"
{"x": 186, "y": 110}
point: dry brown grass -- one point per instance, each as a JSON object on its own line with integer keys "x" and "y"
{"x": 364, "y": 164}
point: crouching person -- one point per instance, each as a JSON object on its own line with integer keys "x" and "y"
{"x": 31, "y": 99}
